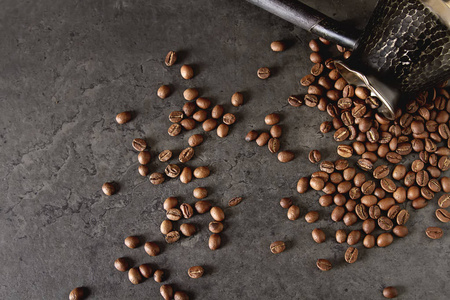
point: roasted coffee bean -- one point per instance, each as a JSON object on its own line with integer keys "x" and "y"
{"x": 163, "y": 91}
{"x": 374, "y": 211}
{"x": 166, "y": 292}
{"x": 444, "y": 201}
{"x": 251, "y": 136}
{"x": 362, "y": 92}
{"x": 372, "y": 135}
{"x": 186, "y": 72}
{"x": 402, "y": 217}
{"x": 158, "y": 276}
{"x": 125, "y": 117}
{"x": 169, "y": 203}
{"x": 341, "y": 236}
{"x": 202, "y": 206}
{"x": 296, "y": 101}
{"x": 229, "y": 119}
{"x": 172, "y": 237}
{"x": 156, "y": 178}
{"x": 309, "y": 79}
{"x": 359, "y": 179}
{"x": 189, "y": 124}
{"x": 146, "y": 270}
{"x": 174, "y": 214}
{"x": 326, "y": 200}
{"x": 393, "y": 211}
{"x": 203, "y": 103}
{"x": 341, "y": 134}
{"x": 187, "y": 210}
{"x": 385, "y": 223}
{"x": 341, "y": 164}
{"x": 329, "y": 188}
{"x": 444, "y": 163}
{"x": 274, "y": 145}
{"x": 209, "y": 125}
{"x": 222, "y": 130}
{"x": 368, "y": 226}
{"x": 235, "y": 201}
{"x": 434, "y": 171}
{"x": 311, "y": 100}
{"x": 338, "y": 213}
{"x": 351, "y": 255}
{"x": 132, "y": 242}
{"x": 323, "y": 264}
{"x": 263, "y": 139}
{"x": 190, "y": 94}
{"x": 217, "y": 111}
{"x": 302, "y": 185}
{"x": 172, "y": 171}
{"x": 171, "y": 58}
{"x": 393, "y": 157}
{"x": 340, "y": 84}
{"x": 443, "y": 215}
{"x": 293, "y": 212}
{"x": 318, "y": 235}
{"x": 399, "y": 172}
{"x": 315, "y": 57}
{"x": 426, "y": 193}
{"x": 349, "y": 174}
{"x": 194, "y": 140}
{"x": 201, "y": 172}
{"x": 372, "y": 157}
{"x": 152, "y": 248}
{"x": 434, "y": 233}
{"x": 325, "y": 127}
{"x": 344, "y": 187}
{"x": 400, "y": 231}
{"x": 217, "y": 214}
{"x": 443, "y": 130}
{"x": 166, "y": 227}
{"x": 430, "y": 146}
{"x": 285, "y": 156}
{"x": 385, "y": 239}
{"x": 345, "y": 151}
{"x": 275, "y": 131}
{"x": 286, "y": 202}
{"x": 237, "y": 99}
{"x": 196, "y": 272}
{"x": 434, "y": 185}
{"x": 345, "y": 103}
{"x": 388, "y": 185}
{"x": 361, "y": 211}
{"x": 325, "y": 82}
{"x": 215, "y": 227}
{"x": 165, "y": 155}
{"x": 409, "y": 178}
{"x": 121, "y": 264}
{"x": 277, "y": 247}
{"x": 176, "y": 116}
{"x": 186, "y": 175}
{"x": 350, "y": 218}
{"x": 422, "y": 178}
{"x": 314, "y": 45}
{"x": 317, "y": 184}
{"x": 311, "y": 216}
{"x": 314, "y": 156}
{"x": 390, "y": 292}
{"x": 336, "y": 178}
{"x": 365, "y": 164}
{"x": 419, "y": 203}
{"x": 199, "y": 116}
{"x": 139, "y": 144}
{"x": 353, "y": 237}
{"x": 413, "y": 192}
{"x": 174, "y": 129}
{"x": 189, "y": 109}
{"x": 354, "y": 193}
{"x": 214, "y": 241}
{"x": 263, "y": 73}
{"x": 381, "y": 172}
{"x": 327, "y": 166}
{"x": 369, "y": 241}
{"x": 108, "y": 188}
{"x": 134, "y": 276}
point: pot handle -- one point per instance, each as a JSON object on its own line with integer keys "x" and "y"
{"x": 311, "y": 20}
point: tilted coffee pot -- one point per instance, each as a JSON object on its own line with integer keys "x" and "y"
{"x": 404, "y": 48}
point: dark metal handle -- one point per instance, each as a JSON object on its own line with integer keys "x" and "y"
{"x": 310, "y": 19}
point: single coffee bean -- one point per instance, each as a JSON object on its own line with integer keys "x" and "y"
{"x": 409, "y": 179}
{"x": 186, "y": 175}
{"x": 369, "y": 241}
{"x": 200, "y": 192}
{"x": 368, "y": 226}
{"x": 400, "y": 230}
{"x": 315, "y": 57}
{"x": 237, "y": 99}
{"x": 365, "y": 164}
{"x": 390, "y": 292}
{"x": 217, "y": 111}
{"x": 263, "y": 73}
{"x": 189, "y": 109}
{"x": 419, "y": 203}
{"x": 186, "y": 210}
{"x": 163, "y": 91}
{"x": 444, "y": 201}
{"x": 341, "y": 134}
{"x": 186, "y": 72}
{"x": 325, "y": 127}
{"x": 345, "y": 151}
{"x": 302, "y": 185}
{"x": 285, "y": 156}
{"x": 274, "y": 145}
{"x": 286, "y": 202}
{"x": 174, "y": 129}
{"x": 222, "y": 130}
{"x": 393, "y": 157}
{"x": 293, "y": 212}
{"x": 388, "y": 185}
{"x": 202, "y": 206}
{"x": 277, "y": 247}
{"x": 434, "y": 185}
{"x": 190, "y": 94}
{"x": 108, "y": 188}
{"x": 314, "y": 45}
{"x": 402, "y": 217}
{"x": 172, "y": 237}
{"x": 359, "y": 179}
{"x": 327, "y": 166}
{"x": 196, "y": 272}
{"x": 235, "y": 201}
{"x": 214, "y": 241}
{"x": 323, "y": 264}
{"x": 165, "y": 155}
{"x": 171, "y": 58}
{"x": 355, "y": 193}
{"x": 336, "y": 178}
{"x": 338, "y": 213}
{"x": 134, "y": 276}
{"x": 385, "y": 223}
{"x": 275, "y": 131}
{"x": 201, "y": 172}
{"x": 362, "y": 92}
{"x": 350, "y": 218}
{"x": 444, "y": 163}
{"x": 373, "y": 102}
{"x": 121, "y": 264}
{"x": 215, "y": 227}
{"x": 349, "y": 174}
{"x": 176, "y": 116}
{"x": 326, "y": 200}
{"x": 413, "y": 193}
{"x": 170, "y": 202}
{"x": 152, "y": 248}
{"x": 351, "y": 255}
{"x": 422, "y": 178}
{"x": 217, "y": 214}
{"x": 434, "y": 233}
{"x": 341, "y": 236}
{"x": 188, "y": 229}
{"x": 309, "y": 79}
{"x": 202, "y": 103}
{"x": 229, "y": 119}
{"x": 156, "y": 178}
{"x": 426, "y": 193}
{"x": 166, "y": 227}
{"x": 314, "y": 156}
{"x": 263, "y": 139}
{"x": 443, "y": 215}
{"x": 174, "y": 214}
{"x": 311, "y": 216}
{"x": 385, "y": 239}
{"x": 132, "y": 242}
{"x": 139, "y": 144}
{"x": 295, "y": 101}
{"x": 361, "y": 211}
{"x": 251, "y": 136}
{"x": 341, "y": 164}
{"x": 374, "y": 211}
{"x": 172, "y": 171}
{"x": 77, "y": 294}
{"x": 353, "y": 237}
{"x": 399, "y": 172}
{"x": 158, "y": 276}
{"x": 125, "y": 117}
{"x": 146, "y": 270}
{"x": 381, "y": 172}
{"x": 393, "y": 211}
{"x": 317, "y": 183}
{"x": 198, "y": 116}
{"x": 166, "y": 292}
{"x": 318, "y": 235}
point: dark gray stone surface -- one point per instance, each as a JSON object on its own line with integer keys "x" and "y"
{"x": 68, "y": 67}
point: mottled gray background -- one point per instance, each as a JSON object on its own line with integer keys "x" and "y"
{"x": 68, "y": 67}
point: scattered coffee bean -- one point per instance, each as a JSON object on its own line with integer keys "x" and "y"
{"x": 263, "y": 73}
{"x": 353, "y": 237}
{"x": 166, "y": 227}
{"x": 195, "y": 140}
{"x": 237, "y": 99}
{"x": 134, "y": 276}
{"x": 251, "y": 136}
{"x": 163, "y": 91}
{"x": 179, "y": 295}
{"x": 123, "y": 117}
{"x": 171, "y": 58}
{"x": 217, "y": 213}
{"x": 190, "y": 94}
{"x": 272, "y": 119}
{"x": 108, "y": 188}
{"x": 444, "y": 201}
{"x": 166, "y": 292}
{"x": 188, "y": 229}
{"x": 314, "y": 156}
{"x": 77, "y": 294}
{"x": 200, "y": 192}
{"x": 369, "y": 241}
{"x": 277, "y": 247}
{"x": 186, "y": 72}
{"x": 215, "y": 227}
{"x": 156, "y": 178}
{"x": 132, "y": 242}
{"x": 121, "y": 264}
{"x": 202, "y": 206}
{"x": 169, "y": 203}
{"x": 158, "y": 276}
{"x": 186, "y": 210}
{"x": 390, "y": 292}
{"x": 293, "y": 212}
{"x": 235, "y": 201}
{"x": 285, "y": 156}
{"x": 385, "y": 239}
{"x": 146, "y": 270}
{"x": 172, "y": 171}
{"x": 443, "y": 215}
{"x": 277, "y": 46}
{"x": 286, "y": 202}
{"x": 351, "y": 255}
{"x": 323, "y": 264}
{"x": 152, "y": 248}
{"x": 263, "y": 139}
{"x": 434, "y": 233}
{"x": 311, "y": 216}
{"x": 174, "y": 214}
{"x": 174, "y": 129}
{"x": 201, "y": 172}
{"x": 273, "y": 145}
{"x": 229, "y": 119}
{"x": 172, "y": 237}
{"x": 214, "y": 241}
{"x": 318, "y": 235}
{"x": 196, "y": 272}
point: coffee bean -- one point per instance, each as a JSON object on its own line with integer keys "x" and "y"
{"x": 166, "y": 227}
{"x": 444, "y": 163}
{"x": 426, "y": 193}
{"x": 108, "y": 188}
{"x": 314, "y": 45}
{"x": 215, "y": 227}
{"x": 293, "y": 212}
{"x": 341, "y": 236}
{"x": 172, "y": 171}
{"x": 361, "y": 211}
{"x": 422, "y": 178}
{"x": 274, "y": 145}
{"x": 229, "y": 119}
{"x": 295, "y": 101}
{"x": 198, "y": 116}
{"x": 237, "y": 99}
{"x": 214, "y": 241}
{"x": 156, "y": 178}
{"x": 262, "y": 139}
{"x": 217, "y": 111}
{"x": 365, "y": 164}
{"x": 311, "y": 100}
{"x": 277, "y": 247}
{"x": 176, "y": 116}
{"x": 186, "y": 210}
{"x": 340, "y": 84}
{"x": 286, "y": 202}
{"x": 337, "y": 214}
{"x": 235, "y": 201}
{"x": 172, "y": 237}
{"x": 158, "y": 276}
{"x": 217, "y": 214}
{"x": 202, "y": 206}
{"x": 200, "y": 192}
{"x": 393, "y": 157}
{"x": 163, "y": 91}
{"x": 186, "y": 175}
{"x": 146, "y": 270}
{"x": 201, "y": 172}
{"x": 189, "y": 108}
{"x": 171, "y": 58}
{"x": 341, "y": 134}
{"x": 351, "y": 255}
{"x": 323, "y": 264}
{"x": 285, "y": 156}
{"x": 196, "y": 272}
{"x": 393, "y": 211}
{"x": 302, "y": 184}
{"x": 165, "y": 155}
{"x": 166, "y": 292}
{"x": 374, "y": 211}
{"x": 139, "y": 144}
{"x": 121, "y": 264}
{"x": 125, "y": 117}
{"x": 368, "y": 226}
{"x": 190, "y": 94}
{"x": 388, "y": 185}
{"x": 430, "y": 146}
{"x": 315, "y": 57}
{"x": 251, "y": 136}
{"x": 317, "y": 184}
{"x": 369, "y": 241}
{"x": 434, "y": 233}
{"x": 385, "y": 239}
{"x": 381, "y": 172}
{"x": 444, "y": 201}
{"x": 186, "y": 72}
{"x": 188, "y": 229}
{"x": 170, "y": 202}
{"x": 174, "y": 214}
{"x": 325, "y": 127}
{"x": 353, "y": 237}
{"x": 134, "y": 276}
{"x": 309, "y": 79}
{"x": 318, "y": 235}
{"x": 434, "y": 185}
{"x": 263, "y": 73}
{"x": 443, "y": 215}
{"x": 132, "y": 242}
{"x": 354, "y": 193}
{"x": 400, "y": 231}
{"x": 350, "y": 218}
{"x": 385, "y": 223}
{"x": 194, "y": 140}
{"x": 314, "y": 156}
{"x": 311, "y": 216}
{"x": 174, "y": 129}
{"x": 359, "y": 179}
{"x": 222, "y": 130}
{"x": 443, "y": 130}
{"x": 336, "y": 178}
{"x": 345, "y": 151}
{"x": 402, "y": 217}
{"x": 390, "y": 292}
{"x": 152, "y": 248}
